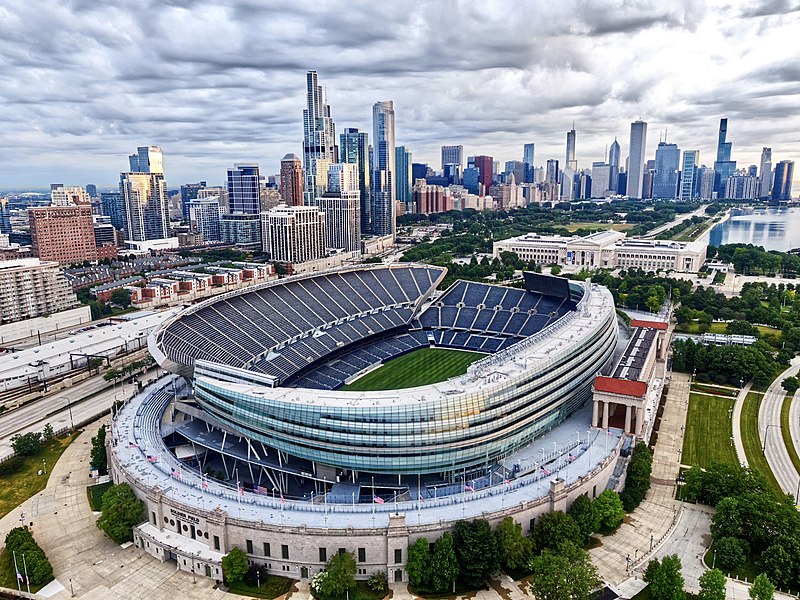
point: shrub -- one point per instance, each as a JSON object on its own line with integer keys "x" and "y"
{"x": 731, "y": 553}
{"x": 637, "y": 481}
{"x": 12, "y": 465}
{"x": 234, "y": 566}
{"x": 377, "y": 581}
{"x": 20, "y": 541}
{"x": 121, "y": 511}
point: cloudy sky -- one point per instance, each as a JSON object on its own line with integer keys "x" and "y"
{"x": 84, "y": 82}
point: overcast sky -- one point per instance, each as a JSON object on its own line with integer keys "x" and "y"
{"x": 84, "y": 82}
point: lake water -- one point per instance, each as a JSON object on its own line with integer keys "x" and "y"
{"x": 772, "y": 228}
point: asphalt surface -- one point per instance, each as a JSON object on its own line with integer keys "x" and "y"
{"x": 769, "y": 430}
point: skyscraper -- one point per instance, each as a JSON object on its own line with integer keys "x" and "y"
{"x": 552, "y": 172}
{"x": 485, "y": 164}
{"x": 319, "y": 138}
{"x": 341, "y": 206}
{"x": 204, "y": 217}
{"x": 636, "y": 158}
{"x": 782, "y": 187}
{"x": 601, "y": 178}
{"x": 68, "y": 196}
{"x": 528, "y": 168}
{"x": 91, "y": 189}
{"x": 724, "y": 167}
{"x": 5, "y": 217}
{"x": 294, "y": 234}
{"x": 517, "y": 167}
{"x": 113, "y": 207}
{"x": 243, "y": 189}
{"x": 665, "y": 178}
{"x": 189, "y": 192}
{"x": 146, "y": 205}
{"x": 571, "y": 163}
{"x": 355, "y": 150}
{"x": 402, "y": 161}
{"x": 291, "y": 180}
{"x": 613, "y": 160}
{"x": 766, "y": 172}
{"x": 383, "y": 164}
{"x": 452, "y": 155}
{"x": 691, "y": 159}
{"x": 148, "y": 159}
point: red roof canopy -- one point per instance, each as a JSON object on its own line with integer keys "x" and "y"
{"x": 626, "y": 387}
{"x": 648, "y": 324}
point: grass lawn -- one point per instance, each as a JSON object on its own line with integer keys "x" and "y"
{"x": 708, "y": 432}
{"x": 95, "y": 494}
{"x": 751, "y": 440}
{"x": 8, "y": 577}
{"x": 786, "y": 432}
{"x": 420, "y": 367}
{"x": 18, "y": 487}
{"x": 717, "y": 390}
{"x": 273, "y": 587}
{"x": 720, "y": 327}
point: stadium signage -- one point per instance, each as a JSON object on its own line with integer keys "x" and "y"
{"x": 182, "y": 515}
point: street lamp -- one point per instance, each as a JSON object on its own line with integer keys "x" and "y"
{"x": 69, "y": 408}
{"x": 766, "y": 437}
{"x": 44, "y": 466}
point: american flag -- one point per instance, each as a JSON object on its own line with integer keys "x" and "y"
{"x": 153, "y": 458}
{"x": 469, "y": 488}
{"x": 421, "y": 498}
{"x": 377, "y": 500}
{"x": 176, "y": 473}
{"x": 571, "y": 457}
{"x": 546, "y": 471}
{"x": 19, "y": 575}
{"x": 241, "y": 489}
{"x": 133, "y": 445}
{"x": 204, "y": 483}
{"x": 508, "y": 482}
{"x": 261, "y": 489}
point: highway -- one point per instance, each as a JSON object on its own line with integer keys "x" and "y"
{"x": 680, "y": 219}
{"x": 55, "y": 409}
{"x": 769, "y": 430}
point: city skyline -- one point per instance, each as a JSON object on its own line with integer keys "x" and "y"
{"x": 171, "y": 92}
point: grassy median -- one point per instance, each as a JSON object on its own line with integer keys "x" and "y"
{"x": 752, "y": 441}
{"x": 707, "y": 438}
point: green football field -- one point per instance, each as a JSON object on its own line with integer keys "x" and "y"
{"x": 420, "y": 367}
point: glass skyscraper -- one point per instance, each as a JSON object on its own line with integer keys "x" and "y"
{"x": 636, "y": 159}
{"x": 724, "y": 167}
{"x": 402, "y": 162}
{"x": 319, "y": 139}
{"x": 528, "y": 168}
{"x": 665, "y": 178}
{"x": 244, "y": 189}
{"x": 384, "y": 169}
{"x": 354, "y": 145}
{"x": 691, "y": 158}
{"x": 782, "y": 187}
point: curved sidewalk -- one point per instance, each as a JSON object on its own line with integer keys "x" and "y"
{"x": 98, "y": 569}
{"x": 737, "y": 424}
{"x": 769, "y": 431}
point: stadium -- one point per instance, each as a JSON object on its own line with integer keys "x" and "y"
{"x": 362, "y": 408}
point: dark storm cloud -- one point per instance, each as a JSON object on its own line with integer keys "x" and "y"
{"x": 83, "y": 82}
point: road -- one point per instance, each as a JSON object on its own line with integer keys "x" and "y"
{"x": 769, "y": 429}
{"x": 696, "y": 213}
{"x": 56, "y": 409}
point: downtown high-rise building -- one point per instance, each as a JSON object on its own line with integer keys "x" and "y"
{"x": 112, "y": 206}
{"x": 528, "y": 168}
{"x": 5, "y": 217}
{"x": 354, "y": 148}
{"x": 614, "y": 154}
{"x": 244, "y": 189}
{"x": 485, "y": 166}
{"x": 189, "y": 192}
{"x": 452, "y": 155}
{"x": 665, "y": 177}
{"x": 293, "y": 234}
{"x": 68, "y": 196}
{"x": 292, "y": 180}
{"x": 689, "y": 165}
{"x": 431, "y": 198}
{"x": 342, "y": 207}
{"x": 204, "y": 217}
{"x": 146, "y": 205}
{"x": 402, "y": 161}
{"x": 64, "y": 234}
{"x": 384, "y": 193}
{"x": 571, "y": 162}
{"x": 782, "y": 185}
{"x": 636, "y": 162}
{"x": 148, "y": 159}
{"x": 515, "y": 168}
{"x": 601, "y": 179}
{"x": 319, "y": 139}
{"x": 765, "y": 172}
{"x": 724, "y": 167}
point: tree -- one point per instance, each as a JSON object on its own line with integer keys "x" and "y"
{"x": 637, "y": 481}
{"x": 419, "y": 564}
{"x": 476, "y": 551}
{"x": 234, "y": 566}
{"x": 584, "y": 512}
{"x": 712, "y": 585}
{"x": 121, "y": 511}
{"x": 566, "y": 574}
{"x": 609, "y": 510}
{"x": 444, "y": 564}
{"x": 121, "y": 297}
{"x": 665, "y": 579}
{"x": 514, "y": 548}
{"x": 341, "y": 576}
{"x": 98, "y": 455}
{"x": 27, "y": 444}
{"x": 762, "y": 588}
{"x": 553, "y": 529}
{"x": 791, "y": 384}
{"x": 48, "y": 433}
{"x": 731, "y": 553}
{"x": 20, "y": 541}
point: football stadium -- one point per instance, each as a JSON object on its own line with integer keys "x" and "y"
{"x": 363, "y": 408}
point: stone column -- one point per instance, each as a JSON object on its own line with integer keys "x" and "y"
{"x": 606, "y": 406}
{"x": 595, "y": 415}
{"x": 627, "y": 418}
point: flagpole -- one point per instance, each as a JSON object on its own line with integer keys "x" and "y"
{"x": 27, "y": 580}
{"x": 16, "y": 571}
{"x": 373, "y": 494}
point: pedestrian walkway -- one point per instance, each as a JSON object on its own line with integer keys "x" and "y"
{"x": 659, "y": 512}
{"x": 85, "y": 561}
{"x": 737, "y": 424}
